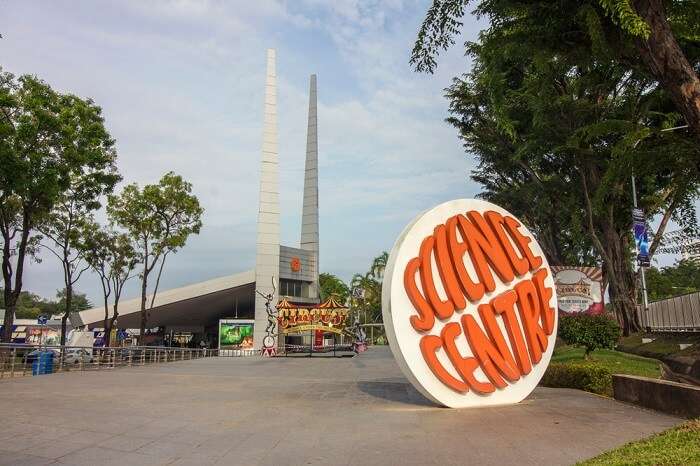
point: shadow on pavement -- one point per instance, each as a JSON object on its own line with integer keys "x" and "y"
{"x": 400, "y": 392}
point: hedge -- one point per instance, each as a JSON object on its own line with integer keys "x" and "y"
{"x": 584, "y": 376}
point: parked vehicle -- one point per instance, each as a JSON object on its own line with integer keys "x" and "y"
{"x": 77, "y": 355}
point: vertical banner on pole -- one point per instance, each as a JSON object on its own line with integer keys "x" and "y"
{"x": 641, "y": 237}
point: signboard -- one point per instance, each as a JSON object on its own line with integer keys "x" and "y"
{"x": 329, "y": 316}
{"x": 299, "y": 320}
{"x": 41, "y": 320}
{"x": 235, "y": 334}
{"x": 579, "y": 289}
{"x": 641, "y": 237}
{"x": 42, "y": 335}
{"x": 468, "y": 301}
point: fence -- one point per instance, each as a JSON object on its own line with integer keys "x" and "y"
{"x": 679, "y": 314}
{"x": 21, "y": 360}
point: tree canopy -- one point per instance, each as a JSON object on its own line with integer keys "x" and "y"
{"x": 158, "y": 218}
{"x": 657, "y": 38}
{"x": 47, "y": 139}
{"x": 558, "y": 127}
{"x": 332, "y": 286}
{"x": 667, "y": 282}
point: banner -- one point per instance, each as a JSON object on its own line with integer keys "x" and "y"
{"x": 236, "y": 334}
{"x": 641, "y": 238}
{"x": 579, "y": 289}
{"x": 318, "y": 338}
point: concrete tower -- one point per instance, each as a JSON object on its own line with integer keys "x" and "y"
{"x": 309, "y": 216}
{"x": 268, "y": 238}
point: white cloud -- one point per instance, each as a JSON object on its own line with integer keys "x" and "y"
{"x": 181, "y": 86}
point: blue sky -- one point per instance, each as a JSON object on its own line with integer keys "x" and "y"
{"x": 181, "y": 86}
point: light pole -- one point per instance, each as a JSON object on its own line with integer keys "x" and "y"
{"x": 645, "y": 298}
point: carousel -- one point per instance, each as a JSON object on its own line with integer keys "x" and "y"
{"x": 321, "y": 328}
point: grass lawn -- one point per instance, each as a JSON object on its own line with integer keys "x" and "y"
{"x": 680, "y": 445}
{"x": 663, "y": 345}
{"x": 615, "y": 361}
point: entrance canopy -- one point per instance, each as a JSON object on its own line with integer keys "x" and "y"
{"x": 194, "y": 306}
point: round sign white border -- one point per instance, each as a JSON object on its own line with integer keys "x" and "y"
{"x": 397, "y": 309}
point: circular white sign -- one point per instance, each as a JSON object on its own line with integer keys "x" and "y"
{"x": 469, "y": 305}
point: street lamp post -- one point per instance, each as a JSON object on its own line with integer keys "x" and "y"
{"x": 645, "y": 297}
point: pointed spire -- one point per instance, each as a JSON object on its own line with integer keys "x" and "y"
{"x": 268, "y": 236}
{"x": 309, "y": 218}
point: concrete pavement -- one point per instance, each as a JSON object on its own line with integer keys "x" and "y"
{"x": 294, "y": 411}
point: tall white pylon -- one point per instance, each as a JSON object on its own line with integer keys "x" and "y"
{"x": 268, "y": 237}
{"x": 309, "y": 215}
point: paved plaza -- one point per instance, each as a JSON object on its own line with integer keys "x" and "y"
{"x": 294, "y": 411}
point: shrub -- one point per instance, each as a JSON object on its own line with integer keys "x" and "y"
{"x": 590, "y": 332}
{"x": 585, "y": 376}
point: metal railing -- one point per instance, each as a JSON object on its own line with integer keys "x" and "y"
{"x": 678, "y": 314}
{"x": 18, "y": 360}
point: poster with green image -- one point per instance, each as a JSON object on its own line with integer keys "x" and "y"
{"x": 236, "y": 334}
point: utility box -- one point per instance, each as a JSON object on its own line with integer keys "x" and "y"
{"x": 43, "y": 364}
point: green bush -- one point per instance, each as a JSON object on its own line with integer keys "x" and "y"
{"x": 585, "y": 376}
{"x": 589, "y": 332}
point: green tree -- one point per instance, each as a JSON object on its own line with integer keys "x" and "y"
{"x": 366, "y": 290}
{"x": 330, "y": 285}
{"x": 589, "y": 332}
{"x": 113, "y": 257}
{"x": 656, "y": 37}
{"x": 557, "y": 131}
{"x": 66, "y": 226}
{"x": 158, "y": 219}
{"x": 667, "y": 282}
{"x": 80, "y": 302}
{"x": 31, "y": 306}
{"x": 46, "y": 139}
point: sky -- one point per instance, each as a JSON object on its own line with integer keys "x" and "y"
{"x": 181, "y": 87}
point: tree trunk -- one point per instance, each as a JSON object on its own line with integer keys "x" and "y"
{"x": 9, "y": 321}
{"x": 667, "y": 62}
{"x": 144, "y": 317}
{"x": 12, "y": 293}
{"x": 66, "y": 313}
{"x": 621, "y": 284}
{"x": 106, "y": 325}
{"x": 10, "y": 300}
{"x": 114, "y": 316}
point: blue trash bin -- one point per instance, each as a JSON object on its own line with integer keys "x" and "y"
{"x": 43, "y": 364}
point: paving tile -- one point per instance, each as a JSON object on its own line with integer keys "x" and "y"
{"x": 54, "y": 449}
{"x": 11, "y": 458}
{"x": 165, "y": 450}
{"x": 291, "y": 411}
{"x": 125, "y": 442}
{"x": 91, "y": 456}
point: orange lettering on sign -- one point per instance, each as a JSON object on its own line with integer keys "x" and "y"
{"x": 426, "y": 317}
{"x": 429, "y": 344}
{"x": 494, "y": 245}
{"x": 473, "y": 291}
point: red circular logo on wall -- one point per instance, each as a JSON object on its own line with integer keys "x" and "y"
{"x": 295, "y": 264}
